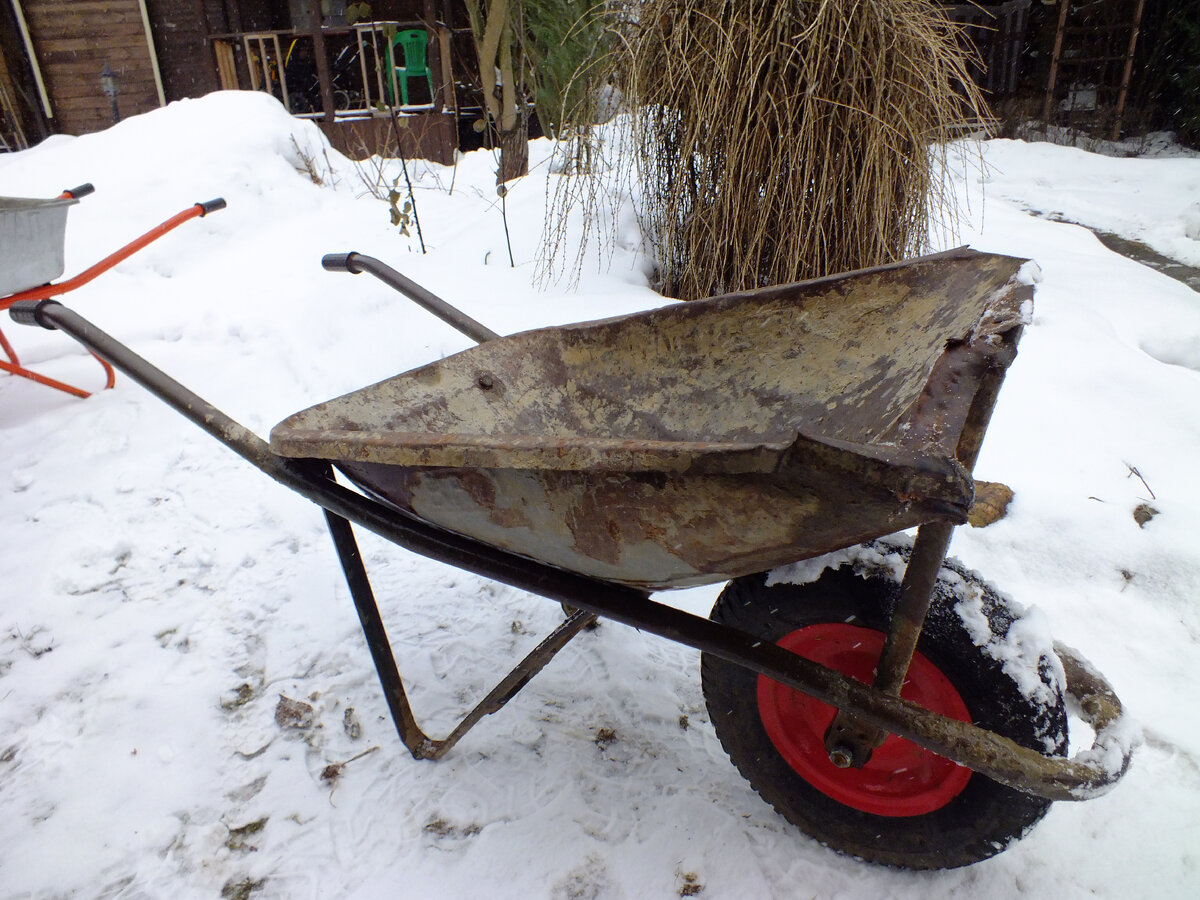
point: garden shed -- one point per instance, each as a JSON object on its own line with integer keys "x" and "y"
{"x": 342, "y": 64}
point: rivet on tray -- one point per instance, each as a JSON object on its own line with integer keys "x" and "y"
{"x": 485, "y": 381}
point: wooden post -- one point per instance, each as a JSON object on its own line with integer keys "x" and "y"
{"x": 158, "y": 82}
{"x": 1128, "y": 71}
{"x": 434, "y": 52}
{"x": 226, "y": 65}
{"x": 34, "y": 65}
{"x": 1063, "y": 8}
{"x": 323, "y": 77}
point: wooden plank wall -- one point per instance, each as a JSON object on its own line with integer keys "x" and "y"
{"x": 428, "y": 135}
{"x": 12, "y": 134}
{"x": 185, "y": 56}
{"x": 74, "y": 40}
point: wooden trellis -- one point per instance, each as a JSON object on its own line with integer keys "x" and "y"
{"x": 1092, "y": 64}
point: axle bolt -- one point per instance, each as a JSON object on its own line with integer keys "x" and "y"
{"x": 841, "y": 756}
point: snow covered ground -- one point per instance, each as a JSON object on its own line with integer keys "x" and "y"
{"x": 158, "y": 595}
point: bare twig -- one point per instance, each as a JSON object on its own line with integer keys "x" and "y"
{"x": 333, "y": 770}
{"x": 308, "y": 163}
{"x": 1133, "y": 471}
{"x": 502, "y": 190}
{"x": 395, "y": 131}
{"x": 27, "y": 646}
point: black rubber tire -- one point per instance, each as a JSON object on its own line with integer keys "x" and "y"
{"x": 983, "y": 819}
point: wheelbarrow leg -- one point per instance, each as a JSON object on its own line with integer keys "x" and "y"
{"x": 419, "y": 744}
{"x": 916, "y": 593}
{"x": 849, "y": 740}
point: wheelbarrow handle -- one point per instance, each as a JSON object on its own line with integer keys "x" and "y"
{"x": 29, "y": 312}
{"x": 354, "y": 263}
{"x": 76, "y": 192}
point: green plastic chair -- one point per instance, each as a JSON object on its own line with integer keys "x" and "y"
{"x": 412, "y": 44}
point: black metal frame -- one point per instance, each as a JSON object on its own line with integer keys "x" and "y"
{"x": 983, "y": 751}
{"x": 419, "y": 744}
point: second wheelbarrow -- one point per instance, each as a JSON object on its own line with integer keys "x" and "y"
{"x": 32, "y": 232}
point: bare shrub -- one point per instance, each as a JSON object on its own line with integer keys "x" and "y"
{"x": 777, "y": 141}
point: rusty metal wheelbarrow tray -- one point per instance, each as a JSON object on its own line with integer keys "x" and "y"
{"x": 701, "y": 441}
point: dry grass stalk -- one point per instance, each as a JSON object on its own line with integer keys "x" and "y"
{"x": 776, "y": 141}
{"x": 594, "y": 177}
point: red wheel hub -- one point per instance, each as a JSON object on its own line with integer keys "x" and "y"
{"x": 901, "y": 778}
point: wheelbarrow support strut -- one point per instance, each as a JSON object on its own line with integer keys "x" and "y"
{"x": 419, "y": 744}
{"x": 849, "y": 740}
{"x": 999, "y": 758}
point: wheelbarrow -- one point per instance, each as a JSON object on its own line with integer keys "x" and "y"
{"x": 32, "y": 234}
{"x": 773, "y": 439}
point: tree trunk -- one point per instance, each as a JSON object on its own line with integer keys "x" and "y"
{"x": 504, "y": 101}
{"x": 514, "y": 152}
{"x": 328, "y": 104}
{"x": 513, "y": 125}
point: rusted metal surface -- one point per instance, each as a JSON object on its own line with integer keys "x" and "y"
{"x": 696, "y": 442}
{"x": 849, "y": 740}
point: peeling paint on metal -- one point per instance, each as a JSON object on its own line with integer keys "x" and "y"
{"x": 698, "y": 441}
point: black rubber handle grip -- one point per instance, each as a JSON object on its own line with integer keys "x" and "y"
{"x": 29, "y": 312}
{"x": 339, "y": 262}
{"x": 210, "y": 206}
{"x": 82, "y": 191}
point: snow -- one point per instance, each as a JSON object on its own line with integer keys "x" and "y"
{"x": 1151, "y": 200}
{"x": 160, "y": 596}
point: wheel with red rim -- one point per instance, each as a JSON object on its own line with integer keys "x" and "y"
{"x": 906, "y": 806}
{"x": 900, "y": 779}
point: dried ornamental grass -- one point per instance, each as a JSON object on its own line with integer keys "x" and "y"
{"x": 776, "y": 141}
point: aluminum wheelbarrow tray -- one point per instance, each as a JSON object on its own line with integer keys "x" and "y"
{"x": 32, "y": 233}
{"x": 717, "y": 440}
